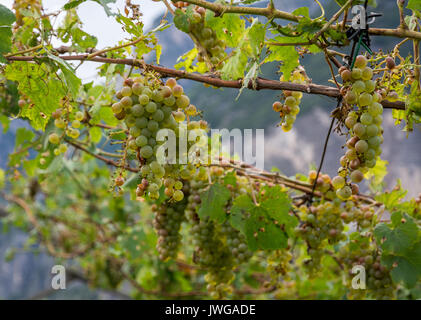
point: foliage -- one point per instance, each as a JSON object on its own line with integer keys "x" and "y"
{"x": 85, "y": 183}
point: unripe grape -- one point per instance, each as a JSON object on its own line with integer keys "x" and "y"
{"x": 146, "y": 152}
{"x": 141, "y": 141}
{"x": 365, "y": 99}
{"x": 356, "y": 74}
{"x": 191, "y": 110}
{"x": 343, "y": 161}
{"x": 358, "y": 86}
{"x": 344, "y": 193}
{"x": 166, "y": 91}
{"x": 378, "y": 120}
{"x": 183, "y": 101}
{"x": 137, "y": 88}
{"x": 76, "y": 124}
{"x": 178, "y": 185}
{"x": 179, "y": 116}
{"x": 134, "y": 131}
{"x": 372, "y": 130}
{"x": 370, "y": 85}
{"x": 338, "y": 182}
{"x": 206, "y": 33}
{"x": 153, "y": 126}
{"x": 359, "y": 129}
{"x": 297, "y": 95}
{"x": 277, "y": 106}
{"x": 141, "y": 122}
{"x": 126, "y": 101}
{"x": 151, "y": 107}
{"x": 126, "y": 91}
{"x": 170, "y": 101}
{"x": 143, "y": 99}
{"x": 351, "y": 97}
{"x": 178, "y": 195}
{"x": 360, "y": 62}
{"x": 356, "y": 176}
{"x": 177, "y": 91}
{"x": 290, "y": 101}
{"x": 370, "y": 154}
{"x": 79, "y": 115}
{"x": 286, "y": 127}
{"x": 60, "y": 123}
{"x": 157, "y": 96}
{"x": 346, "y": 75}
{"x": 137, "y": 110}
{"x": 366, "y": 118}
{"x": 375, "y": 109}
{"x": 351, "y": 154}
{"x": 171, "y": 83}
{"x": 54, "y": 138}
{"x": 374, "y": 142}
{"x": 392, "y": 96}
{"x": 367, "y": 73}
{"x": 158, "y": 115}
{"x": 361, "y": 146}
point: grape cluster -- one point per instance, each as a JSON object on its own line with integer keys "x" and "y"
{"x": 67, "y": 123}
{"x": 320, "y": 223}
{"x": 289, "y": 109}
{"x": 147, "y": 105}
{"x": 213, "y": 48}
{"x": 167, "y": 224}
{"x": 362, "y": 215}
{"x": 364, "y": 122}
{"x": 379, "y": 284}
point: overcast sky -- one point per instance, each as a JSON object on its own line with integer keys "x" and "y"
{"x": 96, "y": 22}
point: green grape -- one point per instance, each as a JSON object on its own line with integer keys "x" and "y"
{"x": 361, "y": 146}
{"x": 141, "y": 122}
{"x": 151, "y": 107}
{"x": 146, "y": 152}
{"x": 365, "y": 99}
{"x": 141, "y": 141}
{"x": 54, "y": 138}
{"x": 358, "y": 86}
{"x": 137, "y": 110}
{"x": 338, "y": 182}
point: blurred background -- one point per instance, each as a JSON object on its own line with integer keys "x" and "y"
{"x": 28, "y": 275}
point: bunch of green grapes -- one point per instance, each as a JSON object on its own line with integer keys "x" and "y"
{"x": 67, "y": 123}
{"x": 321, "y": 225}
{"x": 362, "y": 215}
{"x": 279, "y": 266}
{"x": 147, "y": 106}
{"x": 213, "y": 48}
{"x": 167, "y": 224}
{"x": 379, "y": 284}
{"x": 364, "y": 122}
{"x": 289, "y": 109}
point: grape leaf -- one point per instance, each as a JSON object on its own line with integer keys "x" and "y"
{"x": 6, "y": 19}
{"x": 401, "y": 248}
{"x": 182, "y": 19}
{"x": 235, "y": 66}
{"x": 278, "y": 205}
{"x": 287, "y": 54}
{"x": 5, "y": 122}
{"x": 266, "y": 226}
{"x": 414, "y": 5}
{"x": 230, "y": 179}
{"x": 69, "y": 77}
{"x": 103, "y": 3}
{"x": 391, "y": 199}
{"x": 262, "y": 233}
{"x": 399, "y": 238}
{"x": 406, "y": 268}
{"x": 44, "y": 92}
{"x": 228, "y": 27}
{"x": 213, "y": 202}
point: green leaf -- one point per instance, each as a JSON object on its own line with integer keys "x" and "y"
{"x": 303, "y": 11}
{"x": 240, "y": 212}
{"x": 95, "y": 134}
{"x": 278, "y": 205}
{"x": 235, "y": 66}
{"x": 182, "y": 20}
{"x": 414, "y": 5}
{"x": 71, "y": 80}
{"x": 44, "y": 91}
{"x": 228, "y": 27}
{"x": 262, "y": 233}
{"x": 7, "y": 17}
{"x": 256, "y": 36}
{"x": 23, "y": 135}
{"x": 266, "y": 226}
{"x": 287, "y": 54}
{"x": 230, "y": 179}
{"x": 213, "y": 202}
{"x": 5, "y": 122}
{"x": 392, "y": 199}
{"x": 401, "y": 237}
{"x": 103, "y": 3}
